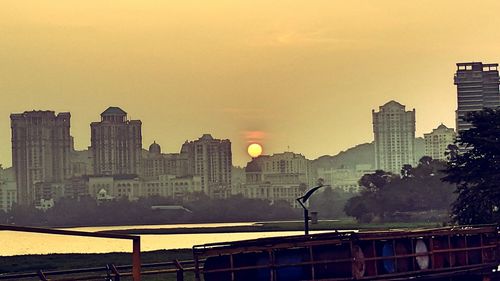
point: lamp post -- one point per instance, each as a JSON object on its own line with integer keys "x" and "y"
{"x": 303, "y": 199}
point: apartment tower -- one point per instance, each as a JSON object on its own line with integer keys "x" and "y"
{"x": 41, "y": 149}
{"x": 211, "y": 159}
{"x": 394, "y": 132}
{"x": 116, "y": 144}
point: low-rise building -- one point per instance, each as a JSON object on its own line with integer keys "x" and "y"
{"x": 118, "y": 186}
{"x": 172, "y": 186}
{"x": 283, "y": 176}
{"x": 275, "y": 192}
{"x": 343, "y": 178}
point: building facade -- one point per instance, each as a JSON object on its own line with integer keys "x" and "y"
{"x": 8, "y": 189}
{"x": 344, "y": 179}
{"x": 211, "y": 160}
{"x": 394, "y": 133}
{"x": 118, "y": 186}
{"x": 177, "y": 188}
{"x": 41, "y": 148}
{"x": 477, "y": 88}
{"x": 437, "y": 141}
{"x": 116, "y": 144}
{"x": 155, "y": 163}
{"x": 282, "y": 176}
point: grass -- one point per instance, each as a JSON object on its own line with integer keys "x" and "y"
{"x": 33, "y": 263}
{"x": 346, "y": 224}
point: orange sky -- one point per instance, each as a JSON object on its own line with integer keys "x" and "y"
{"x": 303, "y": 74}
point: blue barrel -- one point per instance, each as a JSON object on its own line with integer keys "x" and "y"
{"x": 251, "y": 260}
{"x": 388, "y": 251}
{"x": 217, "y": 262}
{"x": 286, "y": 270}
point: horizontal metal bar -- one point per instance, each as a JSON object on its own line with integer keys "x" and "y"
{"x": 67, "y": 232}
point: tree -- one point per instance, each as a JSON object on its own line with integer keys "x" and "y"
{"x": 475, "y": 169}
{"x": 366, "y": 205}
{"x": 386, "y": 196}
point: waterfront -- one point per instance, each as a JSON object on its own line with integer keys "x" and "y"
{"x": 32, "y": 243}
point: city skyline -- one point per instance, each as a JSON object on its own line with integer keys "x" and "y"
{"x": 146, "y": 145}
{"x": 299, "y": 75}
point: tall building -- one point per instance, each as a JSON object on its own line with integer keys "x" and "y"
{"x": 211, "y": 159}
{"x": 116, "y": 144}
{"x": 477, "y": 88}
{"x": 41, "y": 150}
{"x": 437, "y": 141}
{"x": 394, "y": 132}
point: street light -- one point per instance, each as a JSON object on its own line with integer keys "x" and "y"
{"x": 303, "y": 199}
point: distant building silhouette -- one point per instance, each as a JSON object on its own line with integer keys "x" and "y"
{"x": 343, "y": 178}
{"x": 394, "y": 132}
{"x": 210, "y": 159}
{"x": 41, "y": 148}
{"x": 437, "y": 141}
{"x": 477, "y": 88}
{"x": 282, "y": 176}
{"x": 116, "y": 144}
{"x": 155, "y": 163}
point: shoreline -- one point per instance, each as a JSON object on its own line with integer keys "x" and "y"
{"x": 344, "y": 225}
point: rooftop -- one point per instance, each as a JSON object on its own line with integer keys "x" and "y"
{"x": 113, "y": 110}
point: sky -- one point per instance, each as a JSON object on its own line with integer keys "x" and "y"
{"x": 293, "y": 75}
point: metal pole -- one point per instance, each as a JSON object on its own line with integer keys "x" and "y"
{"x": 306, "y": 221}
{"x": 180, "y": 270}
{"x": 136, "y": 259}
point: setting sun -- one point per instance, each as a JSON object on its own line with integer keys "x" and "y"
{"x": 254, "y": 150}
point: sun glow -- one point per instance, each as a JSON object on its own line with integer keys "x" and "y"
{"x": 254, "y": 150}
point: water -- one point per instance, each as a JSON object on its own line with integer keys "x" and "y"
{"x": 20, "y": 243}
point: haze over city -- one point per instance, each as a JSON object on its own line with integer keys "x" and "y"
{"x": 296, "y": 74}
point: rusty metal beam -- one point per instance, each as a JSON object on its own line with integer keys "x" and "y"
{"x": 67, "y": 232}
{"x": 136, "y": 260}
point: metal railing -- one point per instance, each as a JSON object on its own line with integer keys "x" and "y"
{"x": 136, "y": 244}
{"x": 109, "y": 272}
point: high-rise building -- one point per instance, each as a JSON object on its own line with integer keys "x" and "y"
{"x": 394, "y": 132}
{"x": 477, "y": 88}
{"x": 211, "y": 159}
{"x": 41, "y": 150}
{"x": 437, "y": 141}
{"x": 116, "y": 144}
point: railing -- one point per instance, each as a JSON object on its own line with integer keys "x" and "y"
{"x": 109, "y": 272}
{"x": 136, "y": 244}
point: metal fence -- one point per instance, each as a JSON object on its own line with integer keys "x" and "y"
{"x": 176, "y": 269}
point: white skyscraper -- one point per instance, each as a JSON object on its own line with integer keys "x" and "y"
{"x": 394, "y": 132}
